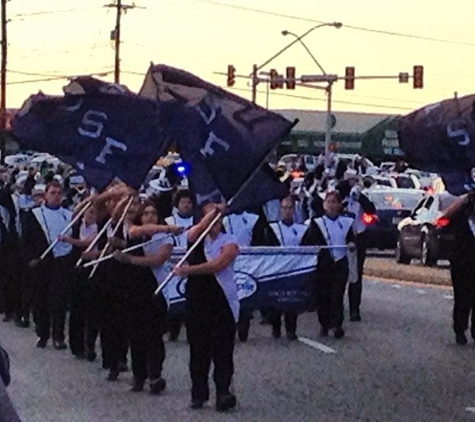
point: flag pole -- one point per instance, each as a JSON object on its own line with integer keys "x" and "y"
{"x": 95, "y": 240}
{"x": 35, "y": 262}
{"x": 213, "y": 222}
{"x": 119, "y": 223}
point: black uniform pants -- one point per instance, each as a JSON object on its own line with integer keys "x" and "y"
{"x": 211, "y": 330}
{"x": 290, "y": 319}
{"x": 463, "y": 281}
{"x": 355, "y": 289}
{"x": 145, "y": 328}
{"x": 331, "y": 284}
{"x": 83, "y": 325}
{"x": 51, "y": 297}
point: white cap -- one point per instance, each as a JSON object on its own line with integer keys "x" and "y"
{"x": 38, "y": 189}
{"x": 58, "y": 178}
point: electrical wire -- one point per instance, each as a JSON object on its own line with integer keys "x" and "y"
{"x": 358, "y": 28}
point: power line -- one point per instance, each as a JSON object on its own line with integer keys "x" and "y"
{"x": 51, "y": 12}
{"x": 56, "y": 78}
{"x": 358, "y": 28}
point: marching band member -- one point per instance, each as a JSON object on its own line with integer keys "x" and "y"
{"x": 212, "y": 309}
{"x": 288, "y": 233}
{"x": 334, "y": 231}
{"x": 145, "y": 314}
{"x": 182, "y": 216}
{"x": 82, "y": 327}
{"x": 51, "y": 277}
{"x": 241, "y": 226}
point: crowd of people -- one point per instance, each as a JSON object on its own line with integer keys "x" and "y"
{"x": 115, "y": 301}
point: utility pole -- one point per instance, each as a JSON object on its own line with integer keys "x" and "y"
{"x": 116, "y": 33}
{"x": 3, "y": 83}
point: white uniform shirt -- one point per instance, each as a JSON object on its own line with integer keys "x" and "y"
{"x": 53, "y": 222}
{"x": 356, "y": 209}
{"x": 181, "y": 240}
{"x": 289, "y": 235}
{"x": 159, "y": 239}
{"x": 88, "y": 232}
{"x": 240, "y": 226}
{"x": 335, "y": 232}
{"x": 226, "y": 276}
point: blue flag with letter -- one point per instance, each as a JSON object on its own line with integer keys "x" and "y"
{"x": 441, "y": 138}
{"x": 225, "y": 137}
{"x": 103, "y": 134}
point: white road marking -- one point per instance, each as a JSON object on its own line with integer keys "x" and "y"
{"x": 316, "y": 345}
{"x": 420, "y": 291}
{"x": 449, "y": 297}
{"x": 470, "y": 409}
{"x": 396, "y": 286}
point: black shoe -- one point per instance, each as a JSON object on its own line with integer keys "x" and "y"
{"x": 22, "y": 322}
{"x": 113, "y": 375}
{"x": 461, "y": 338}
{"x": 339, "y": 333}
{"x": 59, "y": 345}
{"x": 80, "y": 355}
{"x": 123, "y": 367}
{"x": 225, "y": 402}
{"x": 323, "y": 332}
{"x": 157, "y": 386}
{"x": 355, "y": 317}
{"x": 137, "y": 385}
{"x": 41, "y": 343}
{"x": 243, "y": 334}
{"x": 91, "y": 355}
{"x": 197, "y": 404}
{"x": 276, "y": 333}
{"x": 292, "y": 336}
{"x": 105, "y": 365}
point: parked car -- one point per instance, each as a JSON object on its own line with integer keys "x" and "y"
{"x": 420, "y": 234}
{"x": 392, "y": 206}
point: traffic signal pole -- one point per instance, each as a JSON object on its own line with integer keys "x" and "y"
{"x": 328, "y": 130}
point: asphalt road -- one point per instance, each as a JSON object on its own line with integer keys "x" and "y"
{"x": 399, "y": 364}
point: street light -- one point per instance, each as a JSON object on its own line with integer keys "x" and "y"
{"x": 328, "y": 130}
{"x": 257, "y": 68}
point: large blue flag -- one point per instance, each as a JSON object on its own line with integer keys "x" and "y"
{"x": 232, "y": 141}
{"x": 441, "y": 138}
{"x": 104, "y": 130}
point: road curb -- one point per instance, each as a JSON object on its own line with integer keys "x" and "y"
{"x": 375, "y": 267}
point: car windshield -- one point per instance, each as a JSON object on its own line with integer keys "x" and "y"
{"x": 405, "y": 182}
{"x": 445, "y": 201}
{"x": 395, "y": 200}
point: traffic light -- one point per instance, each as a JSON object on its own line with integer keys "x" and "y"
{"x": 418, "y": 77}
{"x": 349, "y": 77}
{"x": 231, "y": 75}
{"x": 280, "y": 81}
{"x": 273, "y": 79}
{"x": 290, "y": 76}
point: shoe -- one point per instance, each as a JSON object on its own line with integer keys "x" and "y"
{"x": 91, "y": 355}
{"x": 79, "y": 355}
{"x": 461, "y": 338}
{"x": 243, "y": 334}
{"x": 7, "y": 318}
{"x": 105, "y": 365}
{"x": 225, "y": 402}
{"x": 123, "y": 367}
{"x": 22, "y": 322}
{"x": 323, "y": 332}
{"x": 113, "y": 375}
{"x": 41, "y": 343}
{"x": 339, "y": 333}
{"x": 276, "y": 333}
{"x": 197, "y": 404}
{"x": 355, "y": 317}
{"x": 137, "y": 385}
{"x": 59, "y": 345}
{"x": 292, "y": 336}
{"x": 157, "y": 386}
